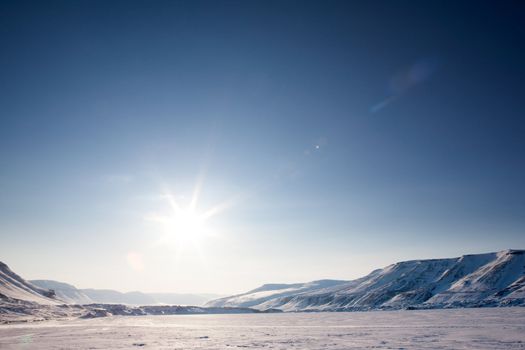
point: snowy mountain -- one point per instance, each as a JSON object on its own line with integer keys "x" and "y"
{"x": 65, "y": 292}
{"x": 492, "y": 279}
{"x": 269, "y": 292}
{"x": 108, "y": 296}
{"x": 70, "y": 294}
{"x": 14, "y": 287}
{"x": 23, "y": 301}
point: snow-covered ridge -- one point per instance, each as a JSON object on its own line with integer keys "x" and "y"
{"x": 13, "y": 286}
{"x": 64, "y": 291}
{"x": 492, "y": 279}
{"x": 271, "y": 291}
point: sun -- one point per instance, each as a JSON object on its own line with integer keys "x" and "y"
{"x": 182, "y": 227}
{"x": 186, "y": 227}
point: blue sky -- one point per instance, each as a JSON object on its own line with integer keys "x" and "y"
{"x": 327, "y": 138}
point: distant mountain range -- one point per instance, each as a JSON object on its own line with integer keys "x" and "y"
{"x": 482, "y": 280}
{"x": 52, "y": 292}
{"x": 72, "y": 295}
{"x": 492, "y": 279}
{"x": 23, "y": 301}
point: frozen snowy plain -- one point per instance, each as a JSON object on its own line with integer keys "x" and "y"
{"x": 485, "y": 328}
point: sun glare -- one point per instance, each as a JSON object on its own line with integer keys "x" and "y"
{"x": 187, "y": 227}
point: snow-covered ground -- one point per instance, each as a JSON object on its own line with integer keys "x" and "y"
{"x": 487, "y": 328}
